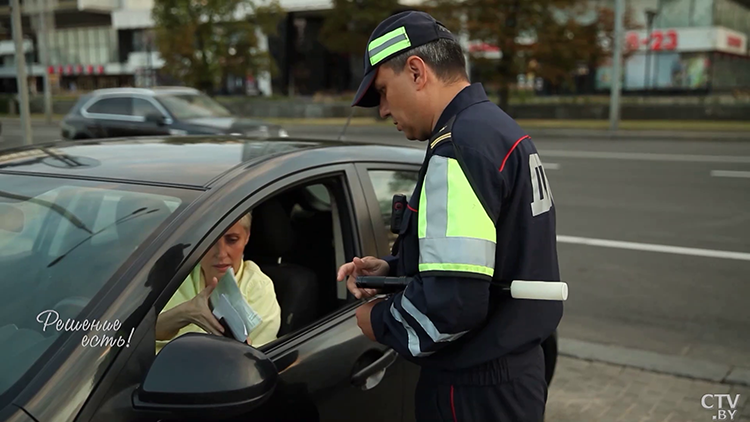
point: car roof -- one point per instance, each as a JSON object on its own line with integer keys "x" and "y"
{"x": 146, "y": 91}
{"x": 179, "y": 161}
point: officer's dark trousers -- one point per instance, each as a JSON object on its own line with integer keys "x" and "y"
{"x": 509, "y": 389}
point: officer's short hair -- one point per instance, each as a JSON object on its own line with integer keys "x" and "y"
{"x": 445, "y": 57}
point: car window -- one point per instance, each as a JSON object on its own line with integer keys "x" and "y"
{"x": 118, "y": 105}
{"x": 61, "y": 241}
{"x": 295, "y": 241}
{"x": 143, "y": 108}
{"x": 193, "y": 106}
{"x": 386, "y": 184}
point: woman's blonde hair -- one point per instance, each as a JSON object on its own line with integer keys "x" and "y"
{"x": 247, "y": 220}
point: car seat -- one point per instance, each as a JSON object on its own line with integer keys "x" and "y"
{"x": 271, "y": 241}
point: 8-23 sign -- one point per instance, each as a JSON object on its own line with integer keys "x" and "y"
{"x": 660, "y": 40}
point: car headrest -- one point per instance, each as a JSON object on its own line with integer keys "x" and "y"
{"x": 271, "y": 233}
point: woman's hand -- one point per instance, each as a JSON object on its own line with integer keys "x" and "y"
{"x": 199, "y": 313}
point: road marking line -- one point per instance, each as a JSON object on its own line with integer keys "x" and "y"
{"x": 646, "y": 156}
{"x": 730, "y": 173}
{"x": 712, "y": 253}
{"x": 551, "y": 166}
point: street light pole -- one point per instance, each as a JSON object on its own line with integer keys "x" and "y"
{"x": 23, "y": 87}
{"x": 44, "y": 58}
{"x": 650, "y": 14}
{"x": 614, "y": 98}
{"x": 465, "y": 42}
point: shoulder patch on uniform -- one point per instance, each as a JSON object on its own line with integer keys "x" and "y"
{"x": 440, "y": 139}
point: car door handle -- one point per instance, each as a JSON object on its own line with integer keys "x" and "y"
{"x": 370, "y": 376}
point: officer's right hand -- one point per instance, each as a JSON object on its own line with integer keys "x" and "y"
{"x": 368, "y": 265}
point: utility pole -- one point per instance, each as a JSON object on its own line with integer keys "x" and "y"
{"x": 44, "y": 58}
{"x": 23, "y": 87}
{"x": 614, "y": 98}
{"x": 147, "y": 37}
{"x": 650, "y": 14}
{"x": 465, "y": 42}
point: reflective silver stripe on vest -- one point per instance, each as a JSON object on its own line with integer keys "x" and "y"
{"x": 435, "y": 247}
{"x": 413, "y": 338}
{"x": 463, "y": 250}
{"x": 436, "y": 207}
{"x": 426, "y": 324}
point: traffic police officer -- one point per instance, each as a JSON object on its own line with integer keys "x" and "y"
{"x": 482, "y": 213}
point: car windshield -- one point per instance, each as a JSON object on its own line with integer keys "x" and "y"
{"x": 61, "y": 242}
{"x": 193, "y": 106}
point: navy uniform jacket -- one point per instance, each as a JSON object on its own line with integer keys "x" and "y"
{"x": 449, "y": 317}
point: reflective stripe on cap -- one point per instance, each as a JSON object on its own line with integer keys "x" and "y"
{"x": 388, "y": 44}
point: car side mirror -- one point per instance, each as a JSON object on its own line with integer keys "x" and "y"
{"x": 204, "y": 377}
{"x": 155, "y": 118}
{"x": 12, "y": 218}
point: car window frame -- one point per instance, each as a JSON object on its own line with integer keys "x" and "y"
{"x": 120, "y": 117}
{"x": 361, "y": 229}
{"x": 373, "y": 205}
{"x": 275, "y": 350}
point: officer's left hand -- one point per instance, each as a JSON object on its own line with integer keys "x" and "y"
{"x": 368, "y": 265}
{"x": 363, "y": 318}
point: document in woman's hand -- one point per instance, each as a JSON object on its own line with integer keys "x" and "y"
{"x": 230, "y": 308}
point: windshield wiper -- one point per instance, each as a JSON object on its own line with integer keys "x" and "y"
{"x": 137, "y": 213}
{"x": 64, "y": 158}
{"x": 51, "y": 205}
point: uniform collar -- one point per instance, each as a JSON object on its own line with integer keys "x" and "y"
{"x": 468, "y": 96}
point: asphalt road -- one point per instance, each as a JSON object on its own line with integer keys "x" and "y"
{"x": 654, "y": 238}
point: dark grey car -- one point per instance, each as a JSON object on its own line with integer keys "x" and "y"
{"x": 163, "y": 111}
{"x": 108, "y": 230}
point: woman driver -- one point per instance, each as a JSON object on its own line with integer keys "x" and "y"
{"x": 188, "y": 309}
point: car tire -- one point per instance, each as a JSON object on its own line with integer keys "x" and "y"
{"x": 549, "y": 346}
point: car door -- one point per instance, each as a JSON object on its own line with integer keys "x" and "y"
{"x": 380, "y": 181}
{"x": 330, "y": 371}
{"x": 111, "y": 117}
{"x": 144, "y": 107}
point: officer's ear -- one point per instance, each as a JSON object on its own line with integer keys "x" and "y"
{"x": 417, "y": 70}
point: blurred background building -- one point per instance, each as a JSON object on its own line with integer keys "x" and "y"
{"x": 697, "y": 47}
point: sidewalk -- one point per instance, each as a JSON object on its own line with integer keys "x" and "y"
{"x": 584, "y": 391}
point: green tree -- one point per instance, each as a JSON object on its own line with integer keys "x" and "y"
{"x": 557, "y": 34}
{"x": 202, "y": 41}
{"x": 349, "y": 23}
{"x": 564, "y": 44}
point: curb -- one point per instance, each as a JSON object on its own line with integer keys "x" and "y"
{"x": 655, "y": 362}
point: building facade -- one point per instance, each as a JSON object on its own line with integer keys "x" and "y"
{"x": 685, "y": 46}
{"x": 91, "y": 44}
{"x": 688, "y": 47}
{"x": 82, "y": 46}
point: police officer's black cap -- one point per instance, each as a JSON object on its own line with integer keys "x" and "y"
{"x": 395, "y": 35}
